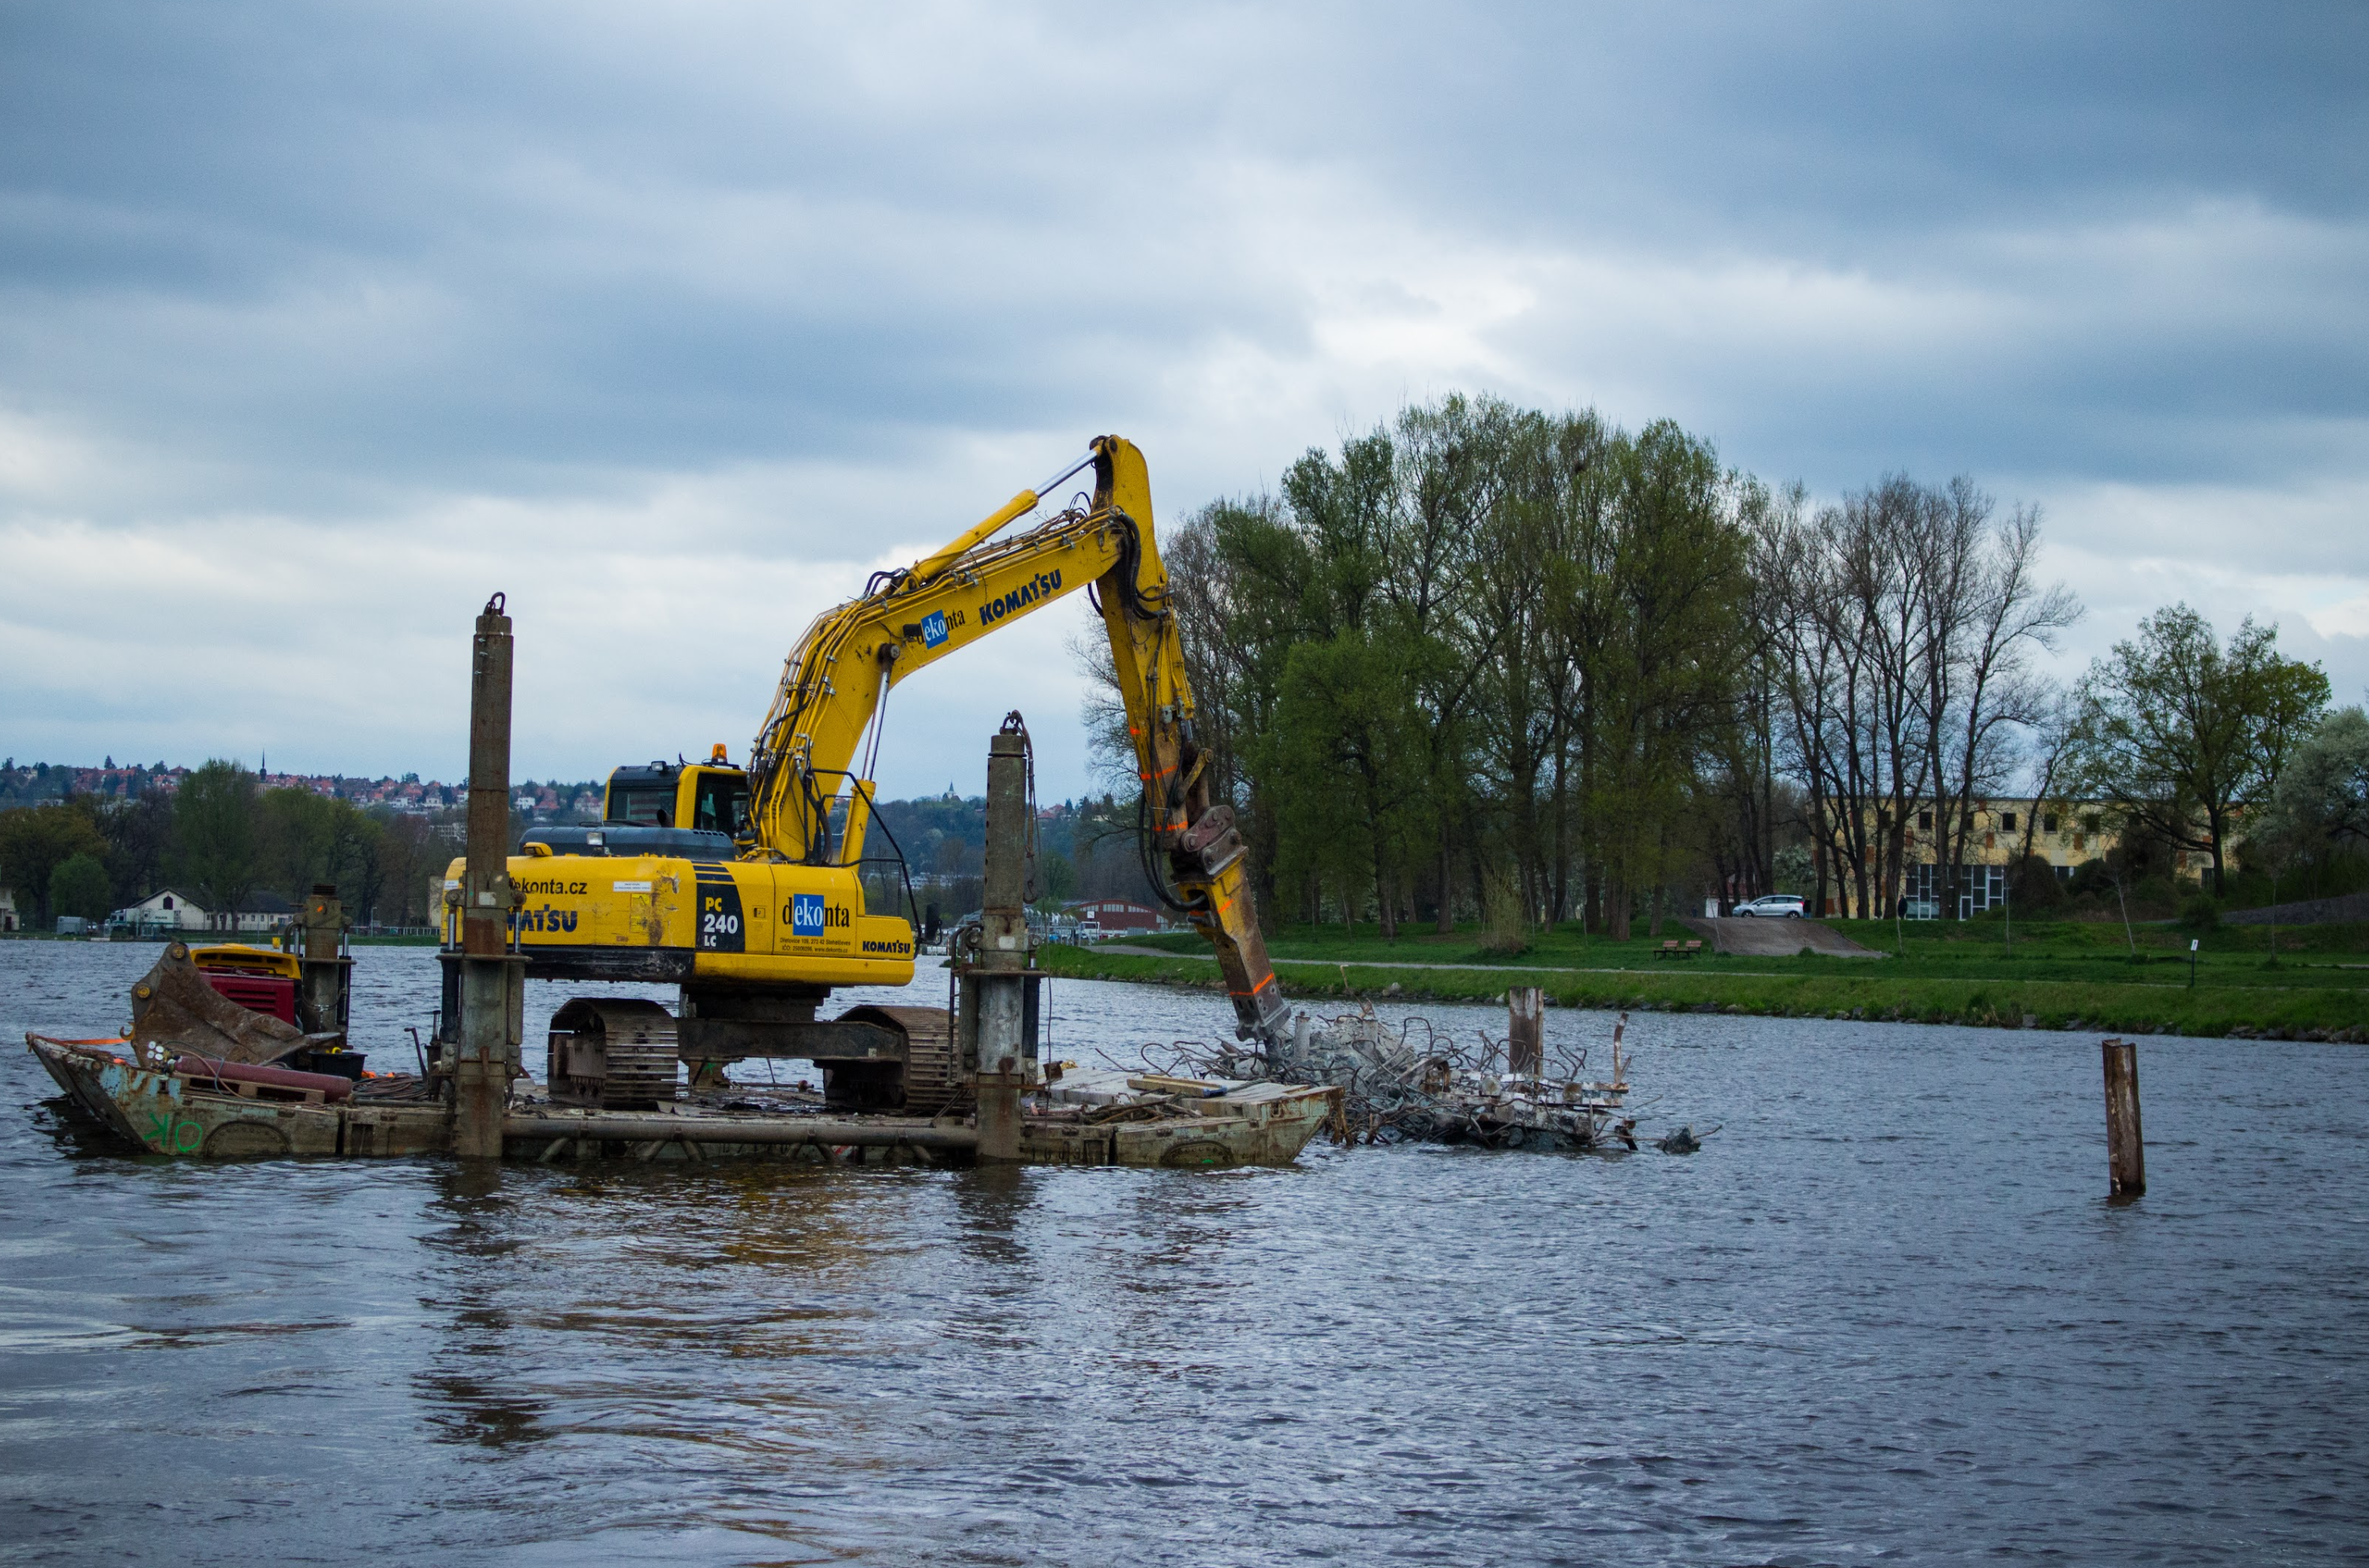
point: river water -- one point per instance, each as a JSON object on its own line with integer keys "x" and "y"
{"x": 1885, "y": 1314}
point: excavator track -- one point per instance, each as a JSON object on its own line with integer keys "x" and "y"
{"x": 933, "y": 1080}
{"x": 616, "y": 1055}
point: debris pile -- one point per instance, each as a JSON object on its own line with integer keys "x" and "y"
{"x": 1411, "y": 1082}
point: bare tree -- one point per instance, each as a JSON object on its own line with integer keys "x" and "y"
{"x": 1902, "y": 627}
{"x": 2051, "y": 745}
{"x": 1985, "y": 613}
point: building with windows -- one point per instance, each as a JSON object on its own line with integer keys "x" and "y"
{"x": 2065, "y": 834}
{"x": 1997, "y": 837}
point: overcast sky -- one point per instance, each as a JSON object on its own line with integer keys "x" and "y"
{"x": 321, "y": 323}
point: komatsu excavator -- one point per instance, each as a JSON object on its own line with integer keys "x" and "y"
{"x": 744, "y": 887}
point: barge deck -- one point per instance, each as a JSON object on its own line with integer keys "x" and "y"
{"x": 199, "y": 1108}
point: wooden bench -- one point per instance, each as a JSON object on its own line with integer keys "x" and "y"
{"x": 1677, "y": 949}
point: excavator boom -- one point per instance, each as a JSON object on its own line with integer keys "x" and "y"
{"x": 838, "y": 678}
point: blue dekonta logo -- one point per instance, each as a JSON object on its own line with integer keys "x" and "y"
{"x": 806, "y": 914}
{"x": 1044, "y": 585}
{"x": 934, "y": 628}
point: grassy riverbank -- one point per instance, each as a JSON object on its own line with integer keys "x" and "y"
{"x": 2054, "y": 976}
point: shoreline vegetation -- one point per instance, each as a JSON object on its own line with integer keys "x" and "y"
{"x": 2058, "y": 975}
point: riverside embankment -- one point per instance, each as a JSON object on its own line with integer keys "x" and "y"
{"x": 2060, "y": 975}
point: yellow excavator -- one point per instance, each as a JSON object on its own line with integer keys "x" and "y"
{"x": 744, "y": 886}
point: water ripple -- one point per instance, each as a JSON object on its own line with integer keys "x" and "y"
{"x": 1884, "y": 1315}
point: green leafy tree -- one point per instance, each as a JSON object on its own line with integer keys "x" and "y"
{"x": 1670, "y": 664}
{"x": 1057, "y": 880}
{"x": 2324, "y": 790}
{"x": 215, "y": 834}
{"x": 1533, "y": 557}
{"x": 1473, "y": 642}
{"x": 1351, "y": 770}
{"x": 296, "y": 841}
{"x": 79, "y": 887}
{"x": 2277, "y": 843}
{"x": 2180, "y": 734}
{"x": 34, "y": 841}
{"x": 304, "y": 840}
{"x": 139, "y": 834}
{"x": 2320, "y": 808}
{"x": 1455, "y": 527}
{"x": 361, "y": 874}
{"x": 406, "y": 853}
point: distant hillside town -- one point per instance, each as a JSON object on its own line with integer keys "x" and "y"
{"x": 33, "y": 784}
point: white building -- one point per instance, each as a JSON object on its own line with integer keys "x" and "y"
{"x": 265, "y": 913}
{"x": 172, "y": 909}
{"x": 7, "y": 909}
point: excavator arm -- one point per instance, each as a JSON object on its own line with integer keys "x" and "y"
{"x": 836, "y": 683}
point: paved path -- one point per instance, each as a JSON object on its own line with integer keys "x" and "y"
{"x": 1135, "y": 952}
{"x": 1753, "y": 938}
{"x": 1516, "y": 967}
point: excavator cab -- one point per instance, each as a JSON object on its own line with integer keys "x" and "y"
{"x": 710, "y": 798}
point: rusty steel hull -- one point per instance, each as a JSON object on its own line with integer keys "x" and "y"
{"x": 164, "y": 1113}
{"x": 171, "y": 1114}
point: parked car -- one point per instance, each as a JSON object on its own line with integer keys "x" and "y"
{"x": 1773, "y": 906}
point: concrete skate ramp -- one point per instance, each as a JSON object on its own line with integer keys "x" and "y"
{"x": 1776, "y": 938}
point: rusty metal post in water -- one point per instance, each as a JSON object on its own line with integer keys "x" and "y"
{"x": 998, "y": 1027}
{"x": 2125, "y": 1153}
{"x": 492, "y": 988}
{"x": 1525, "y": 1031}
{"x": 324, "y": 1001}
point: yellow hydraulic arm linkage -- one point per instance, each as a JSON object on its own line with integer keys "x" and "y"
{"x": 838, "y": 678}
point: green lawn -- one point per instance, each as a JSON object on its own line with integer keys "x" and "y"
{"x": 2056, "y": 975}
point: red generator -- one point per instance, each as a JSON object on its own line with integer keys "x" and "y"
{"x": 257, "y": 978}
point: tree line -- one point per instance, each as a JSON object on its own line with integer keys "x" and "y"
{"x": 1489, "y": 661}
{"x": 221, "y": 840}
{"x": 1532, "y": 666}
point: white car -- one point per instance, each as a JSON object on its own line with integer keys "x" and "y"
{"x": 1773, "y": 906}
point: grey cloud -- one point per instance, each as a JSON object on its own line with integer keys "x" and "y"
{"x": 771, "y": 278}
{"x": 458, "y": 244}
